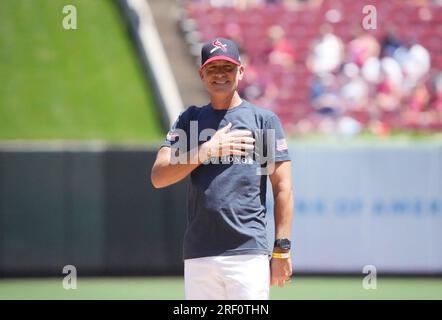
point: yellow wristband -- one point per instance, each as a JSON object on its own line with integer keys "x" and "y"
{"x": 281, "y": 255}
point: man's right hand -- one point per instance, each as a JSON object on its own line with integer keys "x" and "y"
{"x": 225, "y": 142}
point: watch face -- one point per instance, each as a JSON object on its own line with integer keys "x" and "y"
{"x": 283, "y": 243}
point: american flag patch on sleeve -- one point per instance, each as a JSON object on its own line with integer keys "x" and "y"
{"x": 172, "y": 135}
{"x": 281, "y": 145}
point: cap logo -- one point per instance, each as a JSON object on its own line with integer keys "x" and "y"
{"x": 218, "y": 45}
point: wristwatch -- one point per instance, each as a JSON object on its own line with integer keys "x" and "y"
{"x": 283, "y": 243}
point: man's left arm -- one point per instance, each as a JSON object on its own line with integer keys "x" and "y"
{"x": 281, "y": 179}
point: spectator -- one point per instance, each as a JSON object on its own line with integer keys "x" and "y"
{"x": 371, "y": 70}
{"x": 252, "y": 86}
{"x": 245, "y": 4}
{"x": 239, "y": 4}
{"x": 270, "y": 96}
{"x": 417, "y": 63}
{"x": 354, "y": 92}
{"x": 389, "y": 90}
{"x": 281, "y": 51}
{"x": 222, "y": 3}
{"x": 327, "y": 53}
{"x": 436, "y": 100}
{"x": 325, "y": 94}
{"x": 390, "y": 43}
{"x": 420, "y": 99}
{"x": 363, "y": 47}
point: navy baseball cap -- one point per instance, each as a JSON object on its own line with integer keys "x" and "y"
{"x": 220, "y": 49}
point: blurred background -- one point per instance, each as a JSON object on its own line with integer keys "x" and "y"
{"x": 89, "y": 88}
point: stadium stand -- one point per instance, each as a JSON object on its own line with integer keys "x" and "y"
{"x": 313, "y": 64}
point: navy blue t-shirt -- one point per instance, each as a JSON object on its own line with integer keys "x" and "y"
{"x": 226, "y": 197}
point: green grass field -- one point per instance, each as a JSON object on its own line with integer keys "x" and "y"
{"x": 71, "y": 84}
{"x": 173, "y": 288}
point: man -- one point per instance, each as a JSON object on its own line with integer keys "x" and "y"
{"x": 226, "y": 254}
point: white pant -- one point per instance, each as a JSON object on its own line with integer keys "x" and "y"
{"x": 237, "y": 277}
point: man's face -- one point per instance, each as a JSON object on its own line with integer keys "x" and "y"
{"x": 221, "y": 77}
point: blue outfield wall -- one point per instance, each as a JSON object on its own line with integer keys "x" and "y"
{"x": 359, "y": 206}
{"x": 95, "y": 208}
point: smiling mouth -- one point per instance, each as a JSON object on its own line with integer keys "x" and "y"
{"x": 221, "y": 81}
